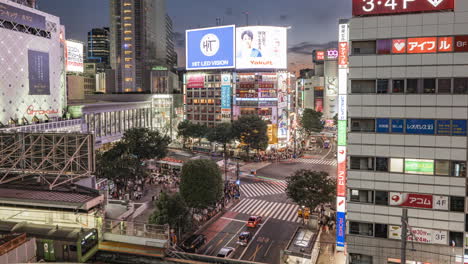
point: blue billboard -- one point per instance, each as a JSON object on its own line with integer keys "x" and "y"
{"x": 210, "y": 48}
{"x": 420, "y": 126}
{"x": 397, "y": 125}
{"x": 340, "y": 229}
{"x": 226, "y": 96}
{"x": 458, "y": 127}
{"x": 383, "y": 125}
{"x": 444, "y": 127}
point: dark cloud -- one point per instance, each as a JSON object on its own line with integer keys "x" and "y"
{"x": 228, "y": 11}
{"x": 307, "y": 47}
{"x": 179, "y": 39}
{"x": 283, "y": 17}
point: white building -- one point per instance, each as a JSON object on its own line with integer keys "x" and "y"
{"x": 32, "y": 79}
{"x": 407, "y": 141}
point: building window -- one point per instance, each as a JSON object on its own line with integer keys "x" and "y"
{"x": 362, "y": 86}
{"x": 442, "y": 167}
{"x": 362, "y": 163}
{"x": 457, "y": 204}
{"x": 128, "y": 66}
{"x": 398, "y": 86}
{"x": 127, "y": 11}
{"x": 412, "y": 86}
{"x": 429, "y": 85}
{"x": 362, "y": 196}
{"x": 128, "y": 32}
{"x": 396, "y": 165}
{"x": 363, "y": 47}
{"x": 444, "y": 86}
{"x": 381, "y": 164}
{"x": 459, "y": 169}
{"x": 456, "y": 239}
{"x": 381, "y": 230}
{"x": 128, "y": 38}
{"x": 128, "y": 59}
{"x": 127, "y": 4}
{"x": 127, "y": 18}
{"x": 381, "y": 198}
{"x": 127, "y": 52}
{"x": 363, "y": 125}
{"x": 359, "y": 259}
{"x": 460, "y": 85}
{"x": 382, "y": 86}
{"x": 129, "y": 79}
{"x": 384, "y": 46}
{"x": 362, "y": 229}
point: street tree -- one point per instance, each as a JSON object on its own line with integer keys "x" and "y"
{"x": 252, "y": 132}
{"x": 311, "y": 121}
{"x": 310, "y": 188}
{"x": 170, "y": 209}
{"x": 201, "y": 184}
{"x": 335, "y": 119}
{"x": 145, "y": 143}
{"x": 222, "y": 134}
{"x": 184, "y": 130}
{"x": 199, "y": 131}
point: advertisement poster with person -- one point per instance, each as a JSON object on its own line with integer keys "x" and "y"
{"x": 261, "y": 47}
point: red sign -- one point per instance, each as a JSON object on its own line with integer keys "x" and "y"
{"x": 399, "y": 46}
{"x": 445, "y": 44}
{"x": 196, "y": 81}
{"x": 343, "y": 54}
{"x": 461, "y": 43}
{"x": 411, "y": 200}
{"x": 422, "y": 45}
{"x": 341, "y": 179}
{"x": 319, "y": 105}
{"x": 32, "y": 111}
{"x": 377, "y": 7}
{"x": 320, "y": 55}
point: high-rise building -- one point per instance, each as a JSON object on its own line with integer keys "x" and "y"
{"x": 407, "y": 140}
{"x": 98, "y": 50}
{"x": 139, "y": 42}
{"x": 171, "y": 54}
{"x": 30, "y": 3}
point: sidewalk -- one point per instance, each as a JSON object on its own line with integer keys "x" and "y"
{"x": 327, "y": 250}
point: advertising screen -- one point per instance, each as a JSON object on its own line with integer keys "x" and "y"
{"x": 74, "y": 56}
{"x": 374, "y": 7}
{"x": 340, "y": 229}
{"x": 210, "y": 48}
{"x": 421, "y": 235}
{"x": 419, "y": 166}
{"x": 38, "y": 66}
{"x": 342, "y": 130}
{"x": 261, "y": 47}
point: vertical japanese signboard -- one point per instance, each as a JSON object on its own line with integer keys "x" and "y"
{"x": 226, "y": 96}
{"x": 343, "y": 59}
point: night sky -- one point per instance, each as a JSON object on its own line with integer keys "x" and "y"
{"x": 313, "y": 23}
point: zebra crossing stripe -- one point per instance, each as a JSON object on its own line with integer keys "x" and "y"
{"x": 291, "y": 218}
{"x": 262, "y": 189}
{"x": 281, "y": 211}
{"x": 273, "y": 209}
{"x": 248, "y": 190}
{"x": 279, "y": 188}
{"x": 255, "y": 207}
{"x": 263, "y": 209}
{"x": 287, "y": 212}
{"x": 243, "y": 205}
{"x": 269, "y": 188}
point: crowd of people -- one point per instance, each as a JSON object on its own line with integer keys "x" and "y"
{"x": 126, "y": 190}
{"x": 278, "y": 155}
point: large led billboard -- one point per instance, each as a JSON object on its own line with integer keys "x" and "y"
{"x": 374, "y": 7}
{"x": 261, "y": 47}
{"x": 210, "y": 48}
{"x": 74, "y": 55}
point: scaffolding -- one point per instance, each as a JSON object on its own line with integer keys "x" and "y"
{"x": 55, "y": 158}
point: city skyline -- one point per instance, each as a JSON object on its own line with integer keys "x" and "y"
{"x": 314, "y": 25}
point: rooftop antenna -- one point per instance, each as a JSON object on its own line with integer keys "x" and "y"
{"x": 218, "y": 21}
{"x": 246, "y": 13}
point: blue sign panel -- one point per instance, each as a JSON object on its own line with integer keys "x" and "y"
{"x": 21, "y": 16}
{"x": 38, "y": 67}
{"x": 340, "y": 229}
{"x": 383, "y": 125}
{"x": 420, "y": 126}
{"x": 444, "y": 127}
{"x": 459, "y": 127}
{"x": 397, "y": 125}
{"x": 226, "y": 96}
{"x": 210, "y": 48}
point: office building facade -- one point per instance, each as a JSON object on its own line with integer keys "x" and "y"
{"x": 99, "y": 47}
{"x": 407, "y": 134}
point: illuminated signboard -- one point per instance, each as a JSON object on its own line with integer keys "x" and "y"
{"x": 459, "y": 127}
{"x": 226, "y": 91}
{"x": 419, "y": 166}
{"x": 332, "y": 54}
{"x": 444, "y": 127}
{"x": 445, "y": 44}
{"x": 340, "y": 229}
{"x": 378, "y": 7}
{"x": 342, "y": 126}
{"x": 419, "y": 200}
{"x": 210, "y": 48}
{"x": 74, "y": 54}
{"x": 420, "y": 126}
{"x": 421, "y": 235}
{"x": 261, "y": 47}
{"x": 382, "y": 125}
{"x": 461, "y": 43}
{"x": 341, "y": 180}
{"x": 22, "y": 17}
{"x": 343, "y": 59}
{"x": 39, "y": 79}
{"x": 422, "y": 45}
{"x": 320, "y": 55}
{"x": 399, "y": 46}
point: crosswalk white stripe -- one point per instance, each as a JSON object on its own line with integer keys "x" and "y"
{"x": 261, "y": 211}
{"x": 275, "y": 209}
{"x": 245, "y": 205}
{"x": 254, "y": 190}
{"x": 248, "y": 190}
{"x": 294, "y": 214}
{"x": 239, "y": 204}
{"x": 271, "y": 209}
{"x": 287, "y": 211}
{"x": 268, "y": 188}
{"x": 283, "y": 211}
{"x": 278, "y": 188}
{"x": 252, "y": 209}
{"x": 262, "y": 189}
{"x": 278, "y": 210}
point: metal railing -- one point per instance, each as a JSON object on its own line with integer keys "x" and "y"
{"x": 128, "y": 228}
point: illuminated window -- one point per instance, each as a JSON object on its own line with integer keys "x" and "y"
{"x": 127, "y": 18}
{"x": 127, "y": 24}
{"x": 139, "y": 90}
{"x": 128, "y": 66}
{"x": 128, "y": 38}
{"x": 127, "y": 90}
{"x": 128, "y": 59}
{"x": 127, "y": 4}
{"x": 127, "y": 32}
{"x": 195, "y": 101}
{"x": 127, "y": 52}
{"x": 126, "y": 11}
{"x": 129, "y": 79}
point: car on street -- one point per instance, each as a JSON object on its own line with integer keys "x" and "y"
{"x": 193, "y": 243}
{"x": 254, "y": 221}
{"x": 225, "y": 252}
{"x": 244, "y": 238}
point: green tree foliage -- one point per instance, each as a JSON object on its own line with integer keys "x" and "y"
{"x": 335, "y": 119}
{"x": 310, "y": 188}
{"x": 170, "y": 209}
{"x": 145, "y": 143}
{"x": 311, "y": 122}
{"x": 201, "y": 184}
{"x": 251, "y": 131}
{"x": 222, "y": 134}
{"x": 199, "y": 131}
{"x": 184, "y": 131}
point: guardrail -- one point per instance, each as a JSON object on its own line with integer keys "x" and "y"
{"x": 127, "y": 228}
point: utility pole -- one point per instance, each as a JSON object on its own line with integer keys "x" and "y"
{"x": 404, "y": 234}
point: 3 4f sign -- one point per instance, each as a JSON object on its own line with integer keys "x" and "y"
{"x": 377, "y": 7}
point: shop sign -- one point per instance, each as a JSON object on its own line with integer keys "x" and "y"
{"x": 420, "y": 126}
{"x": 343, "y": 54}
{"x": 342, "y": 115}
{"x": 461, "y": 43}
{"x": 341, "y": 204}
{"x": 399, "y": 46}
{"x": 397, "y": 125}
{"x": 342, "y": 127}
{"x": 422, "y": 45}
{"x": 445, "y": 44}
{"x": 383, "y": 125}
{"x": 411, "y": 200}
{"x": 340, "y": 230}
{"x": 444, "y": 127}
{"x": 419, "y": 166}
{"x": 459, "y": 127}
{"x": 421, "y": 235}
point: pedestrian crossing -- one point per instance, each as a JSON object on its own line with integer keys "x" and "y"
{"x": 327, "y": 162}
{"x": 263, "y": 188}
{"x": 281, "y": 211}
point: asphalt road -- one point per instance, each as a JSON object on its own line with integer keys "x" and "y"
{"x": 264, "y": 196}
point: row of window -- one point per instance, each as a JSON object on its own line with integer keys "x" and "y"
{"x": 203, "y": 101}
{"x": 381, "y": 231}
{"x": 411, "y": 86}
{"x": 204, "y": 117}
{"x": 442, "y": 127}
{"x": 204, "y": 94}
{"x": 455, "y": 203}
{"x": 409, "y": 166}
